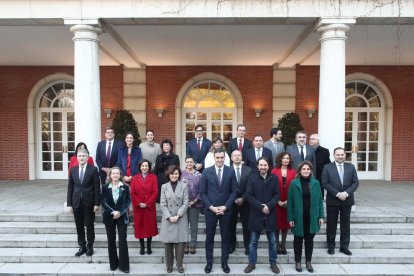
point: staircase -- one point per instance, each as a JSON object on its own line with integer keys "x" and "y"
{"x": 36, "y": 243}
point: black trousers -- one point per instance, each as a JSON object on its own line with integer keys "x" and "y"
{"x": 85, "y": 217}
{"x": 211, "y": 224}
{"x": 123, "y": 261}
{"x": 331, "y": 224}
{"x": 244, "y": 217}
{"x": 308, "y": 237}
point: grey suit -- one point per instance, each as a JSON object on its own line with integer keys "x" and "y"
{"x": 334, "y": 206}
{"x": 276, "y": 149}
{"x": 296, "y": 158}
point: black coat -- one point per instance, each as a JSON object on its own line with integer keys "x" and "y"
{"x": 251, "y": 157}
{"x": 162, "y": 163}
{"x": 322, "y": 158}
{"x": 234, "y": 145}
{"x": 89, "y": 190}
{"x": 262, "y": 191}
{"x": 122, "y": 205}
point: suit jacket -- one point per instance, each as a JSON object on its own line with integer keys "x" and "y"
{"x": 121, "y": 205}
{"x": 294, "y": 152}
{"x": 174, "y": 203}
{"x": 136, "y": 156}
{"x": 101, "y": 154}
{"x": 262, "y": 191}
{"x": 234, "y": 145}
{"x": 251, "y": 157}
{"x": 212, "y": 193}
{"x": 280, "y": 147}
{"x": 242, "y": 185}
{"x": 89, "y": 190}
{"x": 332, "y": 184}
{"x": 321, "y": 159}
{"x": 192, "y": 149}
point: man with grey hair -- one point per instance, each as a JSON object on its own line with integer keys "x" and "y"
{"x": 301, "y": 151}
{"x": 83, "y": 200}
{"x": 321, "y": 158}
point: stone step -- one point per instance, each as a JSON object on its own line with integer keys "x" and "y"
{"x": 69, "y": 240}
{"x": 36, "y": 227}
{"x": 320, "y": 256}
{"x": 73, "y": 269}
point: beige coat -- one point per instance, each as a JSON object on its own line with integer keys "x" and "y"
{"x": 173, "y": 203}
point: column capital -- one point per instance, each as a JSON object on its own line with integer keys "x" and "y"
{"x": 86, "y": 33}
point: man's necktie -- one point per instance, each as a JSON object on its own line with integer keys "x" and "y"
{"x": 258, "y": 154}
{"x": 341, "y": 173}
{"x": 108, "y": 155}
{"x": 219, "y": 177}
{"x": 82, "y": 173}
{"x": 301, "y": 154}
{"x": 240, "y": 145}
{"x": 238, "y": 174}
{"x": 199, "y": 145}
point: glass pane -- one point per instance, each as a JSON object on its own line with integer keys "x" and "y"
{"x": 373, "y": 126}
{"x": 215, "y": 135}
{"x": 46, "y": 146}
{"x": 201, "y": 116}
{"x": 57, "y": 136}
{"x": 44, "y": 102}
{"x": 374, "y": 116}
{"x": 71, "y": 136}
{"x": 57, "y": 146}
{"x": 373, "y": 156}
{"x": 227, "y": 127}
{"x": 71, "y": 126}
{"x": 372, "y": 167}
{"x": 46, "y": 156}
{"x": 373, "y": 146}
{"x": 350, "y": 88}
{"x": 71, "y": 146}
{"x": 45, "y": 135}
{"x": 58, "y": 87}
{"x": 58, "y": 156}
{"x": 58, "y": 166}
{"x": 57, "y": 116}
{"x": 348, "y": 147}
{"x": 348, "y": 116}
{"x": 348, "y": 126}
{"x": 348, "y": 157}
{"x": 45, "y": 126}
{"x": 64, "y": 102}
{"x": 228, "y": 116}
{"x": 348, "y": 136}
{"x": 373, "y": 136}
{"x": 362, "y": 116}
{"x": 70, "y": 154}
{"x": 216, "y": 127}
{"x": 209, "y": 102}
{"x": 188, "y": 102}
{"x": 375, "y": 102}
{"x": 361, "y": 166}
{"x": 190, "y": 115}
{"x": 71, "y": 116}
{"x": 362, "y": 126}
{"x": 362, "y": 146}
{"x": 216, "y": 115}
{"x": 370, "y": 93}
{"x": 361, "y": 156}
{"x": 57, "y": 126}
{"x": 49, "y": 94}
{"x": 361, "y": 87}
{"x": 45, "y": 116}
{"x": 227, "y": 136}
{"x": 362, "y": 136}
{"x": 355, "y": 102}
{"x": 46, "y": 166}
{"x": 189, "y": 136}
{"x": 189, "y": 127}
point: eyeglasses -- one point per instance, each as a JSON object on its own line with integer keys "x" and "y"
{"x": 199, "y": 130}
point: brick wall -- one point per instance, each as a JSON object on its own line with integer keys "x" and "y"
{"x": 16, "y": 83}
{"x": 400, "y": 82}
{"x": 164, "y": 83}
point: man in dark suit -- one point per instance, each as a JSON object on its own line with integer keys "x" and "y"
{"x": 240, "y": 142}
{"x": 107, "y": 153}
{"x": 262, "y": 194}
{"x": 240, "y": 206}
{"x": 340, "y": 181}
{"x": 301, "y": 151}
{"x": 198, "y": 147}
{"x": 218, "y": 190}
{"x": 258, "y": 151}
{"x": 321, "y": 158}
{"x": 83, "y": 200}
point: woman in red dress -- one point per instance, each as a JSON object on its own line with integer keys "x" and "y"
{"x": 144, "y": 191}
{"x": 73, "y": 162}
{"x": 285, "y": 174}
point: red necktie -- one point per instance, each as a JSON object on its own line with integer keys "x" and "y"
{"x": 240, "y": 145}
{"x": 199, "y": 145}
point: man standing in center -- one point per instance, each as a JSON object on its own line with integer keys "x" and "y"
{"x": 198, "y": 148}
{"x": 301, "y": 151}
{"x": 262, "y": 194}
{"x": 218, "y": 189}
{"x": 107, "y": 153}
{"x": 275, "y": 144}
{"x": 240, "y": 142}
{"x": 258, "y": 151}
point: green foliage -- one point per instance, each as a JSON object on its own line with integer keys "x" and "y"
{"x": 123, "y": 123}
{"x": 289, "y": 124}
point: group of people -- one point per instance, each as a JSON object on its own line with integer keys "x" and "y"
{"x": 270, "y": 188}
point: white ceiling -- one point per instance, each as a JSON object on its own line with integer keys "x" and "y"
{"x": 228, "y": 44}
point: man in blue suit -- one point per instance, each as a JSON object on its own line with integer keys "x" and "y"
{"x": 198, "y": 147}
{"x": 218, "y": 190}
{"x": 258, "y": 151}
{"x": 107, "y": 153}
{"x": 301, "y": 151}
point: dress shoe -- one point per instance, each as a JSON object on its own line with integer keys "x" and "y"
{"x": 149, "y": 250}
{"x": 125, "y": 270}
{"x": 279, "y": 252}
{"x": 309, "y": 267}
{"x": 275, "y": 269}
{"x": 192, "y": 249}
{"x": 225, "y": 267}
{"x": 331, "y": 251}
{"x": 113, "y": 269}
{"x": 169, "y": 269}
{"x": 142, "y": 251}
{"x": 81, "y": 251}
{"x": 346, "y": 251}
{"x": 181, "y": 269}
{"x": 208, "y": 267}
{"x": 89, "y": 252}
{"x": 232, "y": 249}
{"x": 298, "y": 267}
{"x": 249, "y": 268}
{"x": 186, "y": 249}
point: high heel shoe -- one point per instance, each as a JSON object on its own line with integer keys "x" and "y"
{"x": 309, "y": 267}
{"x": 298, "y": 267}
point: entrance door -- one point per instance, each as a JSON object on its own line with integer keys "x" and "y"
{"x": 56, "y": 131}
{"x": 364, "y": 130}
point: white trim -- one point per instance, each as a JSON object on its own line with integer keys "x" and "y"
{"x": 31, "y": 118}
{"x": 387, "y": 105}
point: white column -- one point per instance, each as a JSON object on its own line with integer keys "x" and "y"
{"x": 87, "y": 86}
{"x": 331, "y": 117}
